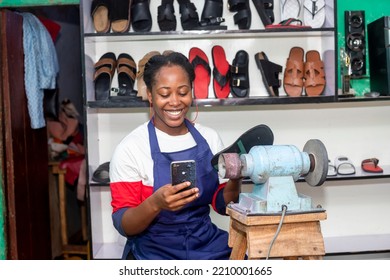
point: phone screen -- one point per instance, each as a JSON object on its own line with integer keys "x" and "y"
{"x": 182, "y": 171}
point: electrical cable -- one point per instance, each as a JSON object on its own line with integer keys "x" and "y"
{"x": 284, "y": 210}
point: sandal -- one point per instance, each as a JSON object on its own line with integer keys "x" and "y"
{"x": 314, "y": 13}
{"x": 189, "y": 16}
{"x": 211, "y": 18}
{"x": 256, "y": 136}
{"x": 243, "y": 16}
{"x": 290, "y": 9}
{"x": 102, "y": 173}
{"x": 202, "y": 70}
{"x": 314, "y": 74}
{"x": 293, "y": 74}
{"x": 270, "y": 73}
{"x": 221, "y": 73}
{"x": 104, "y": 71}
{"x": 239, "y": 82}
{"x": 142, "y": 91}
{"x": 140, "y": 15}
{"x": 291, "y": 23}
{"x": 126, "y": 69}
{"x": 371, "y": 165}
{"x": 265, "y": 9}
{"x": 100, "y": 12}
{"x": 344, "y": 166}
{"x": 166, "y": 16}
{"x": 120, "y": 15}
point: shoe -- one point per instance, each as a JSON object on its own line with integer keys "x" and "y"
{"x": 104, "y": 72}
{"x": 166, "y": 18}
{"x": 211, "y": 17}
{"x": 120, "y": 16}
{"x": 102, "y": 173}
{"x": 265, "y": 9}
{"x": 189, "y": 17}
{"x": 344, "y": 166}
{"x": 239, "y": 75}
{"x": 127, "y": 71}
{"x": 371, "y": 165}
{"x": 142, "y": 91}
{"x": 270, "y": 73}
{"x": 221, "y": 73}
{"x": 100, "y": 13}
{"x": 141, "y": 19}
{"x": 314, "y": 13}
{"x": 202, "y": 70}
{"x": 314, "y": 74}
{"x": 290, "y": 9}
{"x": 243, "y": 15}
{"x": 258, "y": 135}
{"x": 293, "y": 73}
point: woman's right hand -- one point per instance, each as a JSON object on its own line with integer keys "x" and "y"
{"x": 173, "y": 198}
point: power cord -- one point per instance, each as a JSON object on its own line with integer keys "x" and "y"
{"x": 284, "y": 210}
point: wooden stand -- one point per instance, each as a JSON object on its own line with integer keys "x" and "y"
{"x": 300, "y": 236}
{"x": 69, "y": 250}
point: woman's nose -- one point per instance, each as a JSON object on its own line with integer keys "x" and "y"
{"x": 174, "y": 98}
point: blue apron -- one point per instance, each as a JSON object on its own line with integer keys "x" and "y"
{"x": 187, "y": 233}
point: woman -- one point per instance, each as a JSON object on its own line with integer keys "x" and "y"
{"x": 162, "y": 221}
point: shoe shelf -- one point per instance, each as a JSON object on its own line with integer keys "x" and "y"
{"x": 206, "y": 34}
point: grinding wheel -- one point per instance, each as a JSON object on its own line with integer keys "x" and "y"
{"x": 318, "y": 162}
{"x": 229, "y": 165}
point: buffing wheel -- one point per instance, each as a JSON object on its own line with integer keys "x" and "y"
{"x": 229, "y": 165}
{"x": 318, "y": 162}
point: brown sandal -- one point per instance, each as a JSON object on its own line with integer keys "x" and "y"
{"x": 293, "y": 75}
{"x": 101, "y": 14}
{"x": 140, "y": 74}
{"x": 314, "y": 74}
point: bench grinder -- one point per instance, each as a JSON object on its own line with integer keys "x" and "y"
{"x": 274, "y": 169}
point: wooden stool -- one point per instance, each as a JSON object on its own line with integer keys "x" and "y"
{"x": 69, "y": 250}
{"x": 300, "y": 236}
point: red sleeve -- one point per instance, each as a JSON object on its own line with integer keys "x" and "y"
{"x": 128, "y": 194}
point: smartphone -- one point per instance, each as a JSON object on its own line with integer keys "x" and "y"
{"x": 182, "y": 171}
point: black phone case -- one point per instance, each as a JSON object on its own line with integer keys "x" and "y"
{"x": 182, "y": 171}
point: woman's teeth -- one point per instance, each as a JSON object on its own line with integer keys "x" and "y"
{"x": 175, "y": 113}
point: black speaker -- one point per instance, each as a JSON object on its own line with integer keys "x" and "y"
{"x": 355, "y": 41}
{"x": 378, "y": 37}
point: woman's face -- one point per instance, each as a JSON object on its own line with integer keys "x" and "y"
{"x": 171, "y": 98}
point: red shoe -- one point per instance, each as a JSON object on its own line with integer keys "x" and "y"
{"x": 202, "y": 69}
{"x": 221, "y": 73}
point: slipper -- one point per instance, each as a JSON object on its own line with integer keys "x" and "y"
{"x": 100, "y": 12}
{"x": 104, "y": 72}
{"x": 344, "y": 166}
{"x": 211, "y": 17}
{"x": 243, "y": 17}
{"x": 239, "y": 79}
{"x": 221, "y": 73}
{"x": 258, "y": 135}
{"x": 290, "y": 9}
{"x": 331, "y": 169}
{"x": 142, "y": 91}
{"x": 189, "y": 17}
{"x": 290, "y": 23}
{"x": 141, "y": 18}
{"x": 202, "y": 70}
{"x": 314, "y": 74}
{"x": 371, "y": 165}
{"x": 314, "y": 13}
{"x": 166, "y": 18}
{"x": 127, "y": 70}
{"x": 102, "y": 173}
{"x": 293, "y": 74}
{"x": 120, "y": 16}
{"x": 265, "y": 9}
{"x": 270, "y": 73}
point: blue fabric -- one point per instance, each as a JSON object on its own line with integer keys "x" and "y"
{"x": 40, "y": 66}
{"x": 189, "y": 232}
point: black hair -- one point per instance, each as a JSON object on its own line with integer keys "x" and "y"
{"x": 156, "y": 62}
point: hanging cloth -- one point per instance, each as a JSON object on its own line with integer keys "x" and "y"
{"x": 40, "y": 66}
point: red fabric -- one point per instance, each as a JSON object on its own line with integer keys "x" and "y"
{"x": 213, "y": 203}
{"x": 72, "y": 166}
{"x": 52, "y": 27}
{"x": 128, "y": 194}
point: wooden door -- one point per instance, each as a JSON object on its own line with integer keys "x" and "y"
{"x": 25, "y": 155}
